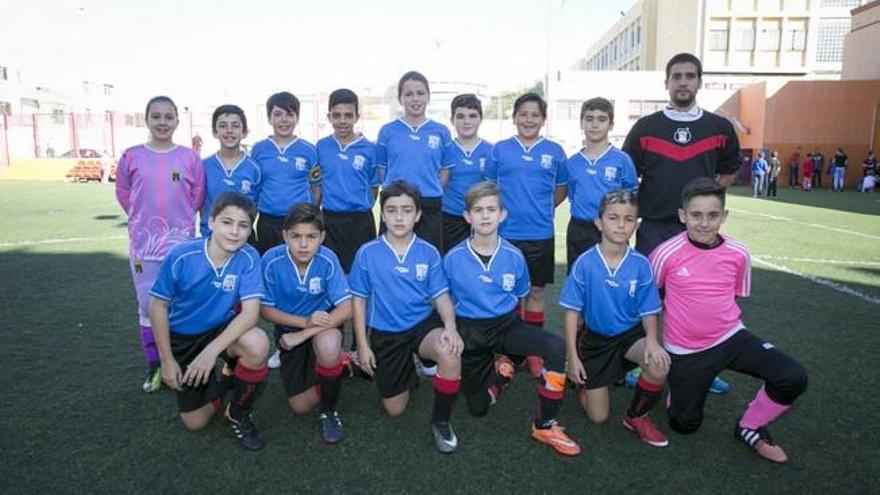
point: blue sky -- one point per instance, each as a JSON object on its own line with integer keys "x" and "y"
{"x": 244, "y": 49}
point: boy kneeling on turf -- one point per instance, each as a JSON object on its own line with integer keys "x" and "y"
{"x": 193, "y": 313}
{"x": 399, "y": 275}
{"x": 703, "y": 273}
{"x": 612, "y": 289}
{"x": 488, "y": 276}
{"x": 307, "y": 299}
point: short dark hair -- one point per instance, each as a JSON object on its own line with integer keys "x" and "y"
{"x": 283, "y": 100}
{"x": 600, "y": 104}
{"x": 228, "y": 110}
{"x": 616, "y": 197}
{"x": 683, "y": 58}
{"x": 479, "y": 191}
{"x": 343, "y": 96}
{"x": 535, "y": 97}
{"x": 159, "y": 99}
{"x": 236, "y": 200}
{"x": 466, "y": 100}
{"x": 400, "y": 188}
{"x": 304, "y": 213}
{"x": 702, "y": 186}
{"x": 412, "y": 76}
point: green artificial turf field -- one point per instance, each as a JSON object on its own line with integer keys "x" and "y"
{"x": 75, "y": 420}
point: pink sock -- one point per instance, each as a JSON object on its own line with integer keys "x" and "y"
{"x": 761, "y": 411}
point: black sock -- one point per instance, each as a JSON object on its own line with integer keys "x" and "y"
{"x": 547, "y": 411}
{"x": 248, "y": 384}
{"x": 330, "y": 381}
{"x": 445, "y": 393}
{"x": 645, "y": 397}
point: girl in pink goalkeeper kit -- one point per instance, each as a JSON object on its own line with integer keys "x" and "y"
{"x": 160, "y": 186}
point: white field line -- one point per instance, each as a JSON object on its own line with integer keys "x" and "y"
{"x": 843, "y": 289}
{"x": 64, "y": 240}
{"x": 820, "y": 261}
{"x": 806, "y": 224}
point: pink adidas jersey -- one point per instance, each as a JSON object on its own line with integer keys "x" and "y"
{"x": 700, "y": 309}
{"x": 161, "y": 191}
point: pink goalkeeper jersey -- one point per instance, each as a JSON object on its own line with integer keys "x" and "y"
{"x": 161, "y": 191}
{"x": 700, "y": 309}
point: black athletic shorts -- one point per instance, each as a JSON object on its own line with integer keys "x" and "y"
{"x": 652, "y": 233}
{"x": 604, "y": 358}
{"x": 346, "y": 232}
{"x": 430, "y": 225}
{"x": 579, "y": 237}
{"x": 185, "y": 348}
{"x": 269, "y": 232}
{"x": 395, "y": 370}
{"x": 540, "y": 258}
{"x": 483, "y": 339}
{"x": 455, "y": 230}
{"x": 297, "y": 365}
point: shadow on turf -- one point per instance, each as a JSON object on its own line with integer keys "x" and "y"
{"x": 107, "y": 217}
{"x": 848, "y": 201}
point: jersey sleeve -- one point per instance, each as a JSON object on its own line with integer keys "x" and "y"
{"x": 448, "y": 160}
{"x": 251, "y": 279}
{"x": 491, "y": 172}
{"x": 315, "y": 174}
{"x": 123, "y": 182}
{"x": 437, "y": 282}
{"x": 633, "y": 147}
{"x": 358, "y": 278}
{"x": 658, "y": 268}
{"x": 373, "y": 158}
{"x": 647, "y": 296}
{"x": 382, "y": 147}
{"x": 258, "y": 181}
{"x": 573, "y": 291}
{"x": 561, "y": 168}
{"x": 337, "y": 286}
{"x": 197, "y": 187}
{"x": 523, "y": 282}
{"x": 744, "y": 276}
{"x": 728, "y": 162}
{"x": 165, "y": 287}
{"x": 629, "y": 177}
{"x": 270, "y": 288}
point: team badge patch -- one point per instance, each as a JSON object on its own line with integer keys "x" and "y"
{"x": 358, "y": 162}
{"x": 245, "y": 187}
{"x": 315, "y": 285}
{"x": 632, "y": 287}
{"x": 546, "y": 161}
{"x": 508, "y": 280}
{"x": 610, "y": 173}
{"x": 228, "y": 283}
{"x": 175, "y": 176}
{"x": 421, "y": 271}
{"x": 300, "y": 163}
{"x": 682, "y": 135}
{"x": 433, "y": 142}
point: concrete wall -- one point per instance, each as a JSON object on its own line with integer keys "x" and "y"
{"x": 860, "y": 60}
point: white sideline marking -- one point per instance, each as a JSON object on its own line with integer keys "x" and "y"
{"x": 61, "y": 241}
{"x": 821, "y": 261}
{"x": 806, "y": 224}
{"x": 844, "y": 289}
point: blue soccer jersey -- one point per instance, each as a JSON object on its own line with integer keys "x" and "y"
{"x": 288, "y": 174}
{"x": 589, "y": 180}
{"x": 348, "y": 172}
{"x": 399, "y": 289}
{"x": 320, "y": 288}
{"x": 243, "y": 177}
{"x": 466, "y": 169}
{"x": 201, "y": 296}
{"x": 486, "y": 290}
{"x": 611, "y": 301}
{"x": 414, "y": 154}
{"x": 527, "y": 178}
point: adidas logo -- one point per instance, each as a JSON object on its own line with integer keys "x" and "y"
{"x": 683, "y": 272}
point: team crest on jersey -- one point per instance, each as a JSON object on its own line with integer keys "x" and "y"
{"x": 610, "y": 173}
{"x": 175, "y": 176}
{"x": 433, "y": 142}
{"x": 421, "y": 271}
{"x": 482, "y": 164}
{"x": 632, "y": 287}
{"x": 300, "y": 163}
{"x": 228, "y": 283}
{"x": 358, "y": 162}
{"x": 245, "y": 187}
{"x": 315, "y": 285}
{"x": 682, "y": 135}
{"x": 508, "y": 280}
{"x": 546, "y": 161}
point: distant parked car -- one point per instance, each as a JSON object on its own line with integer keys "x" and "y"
{"x": 83, "y": 153}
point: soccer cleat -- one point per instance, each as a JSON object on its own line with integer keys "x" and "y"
{"x": 153, "y": 381}
{"x": 555, "y": 437}
{"x": 275, "y": 360}
{"x": 422, "y": 370}
{"x": 646, "y": 429}
{"x": 444, "y": 437}
{"x": 331, "y": 427}
{"x": 535, "y": 365}
{"x": 719, "y": 386}
{"x": 761, "y": 442}
{"x": 244, "y": 431}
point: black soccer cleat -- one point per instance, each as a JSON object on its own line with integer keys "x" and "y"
{"x": 245, "y": 431}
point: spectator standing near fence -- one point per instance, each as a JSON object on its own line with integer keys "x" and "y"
{"x": 838, "y": 169}
{"x": 773, "y": 174}
{"x": 818, "y": 166}
{"x": 793, "y": 166}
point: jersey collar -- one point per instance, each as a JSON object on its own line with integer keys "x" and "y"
{"x": 218, "y": 273}
{"x": 400, "y": 258}
{"x": 279, "y": 148}
{"x": 612, "y": 272}
{"x": 467, "y": 153}
{"x": 344, "y": 147}
{"x": 305, "y": 276}
{"x": 592, "y": 163}
{"x": 412, "y": 129}
{"x": 486, "y": 266}
{"x": 530, "y": 148}
{"x": 229, "y": 172}
{"x": 689, "y": 116}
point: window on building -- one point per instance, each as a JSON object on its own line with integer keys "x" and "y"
{"x": 568, "y": 109}
{"x": 768, "y": 40}
{"x": 108, "y": 90}
{"x": 840, "y": 3}
{"x": 718, "y": 39}
{"x": 4, "y": 75}
{"x": 832, "y": 32}
{"x": 796, "y": 40}
{"x": 639, "y": 108}
{"x": 58, "y": 117}
{"x": 745, "y": 39}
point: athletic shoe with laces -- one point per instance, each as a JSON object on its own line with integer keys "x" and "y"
{"x": 646, "y": 429}
{"x": 555, "y": 437}
{"x": 761, "y": 442}
{"x": 153, "y": 382}
{"x": 275, "y": 360}
{"x": 444, "y": 437}
{"x": 331, "y": 427}
{"x": 719, "y": 386}
{"x": 244, "y": 431}
{"x": 422, "y": 370}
